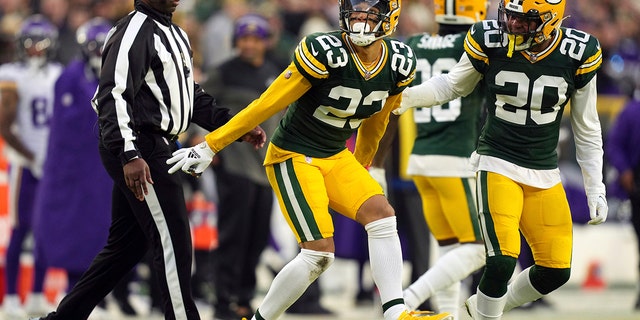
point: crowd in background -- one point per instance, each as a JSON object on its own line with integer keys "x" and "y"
{"x": 209, "y": 25}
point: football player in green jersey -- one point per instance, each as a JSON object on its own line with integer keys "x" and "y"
{"x": 337, "y": 83}
{"x": 439, "y": 162}
{"x": 531, "y": 68}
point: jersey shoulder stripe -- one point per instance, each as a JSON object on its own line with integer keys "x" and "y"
{"x": 403, "y": 61}
{"x": 312, "y": 52}
{"x": 485, "y": 41}
{"x": 592, "y": 51}
{"x": 593, "y": 63}
{"x": 472, "y": 46}
{"x": 584, "y": 50}
{"x": 320, "y": 55}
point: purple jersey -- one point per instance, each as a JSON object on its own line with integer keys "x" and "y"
{"x": 73, "y": 211}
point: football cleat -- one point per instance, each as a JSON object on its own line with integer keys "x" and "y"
{"x": 425, "y": 315}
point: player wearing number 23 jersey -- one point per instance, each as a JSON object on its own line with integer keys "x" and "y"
{"x": 338, "y": 83}
{"x": 531, "y": 68}
{"x": 330, "y": 93}
{"x": 344, "y": 92}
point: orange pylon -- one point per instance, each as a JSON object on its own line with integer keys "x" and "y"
{"x": 594, "y": 279}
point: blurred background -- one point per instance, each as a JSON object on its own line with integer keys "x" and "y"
{"x": 605, "y": 274}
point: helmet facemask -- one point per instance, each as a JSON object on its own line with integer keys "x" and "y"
{"x": 382, "y": 15}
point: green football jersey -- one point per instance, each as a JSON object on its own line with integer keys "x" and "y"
{"x": 344, "y": 92}
{"x": 527, "y": 93}
{"x": 452, "y": 128}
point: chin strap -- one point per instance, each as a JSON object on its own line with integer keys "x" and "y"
{"x": 512, "y": 44}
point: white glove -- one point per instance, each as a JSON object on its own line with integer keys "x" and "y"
{"x": 192, "y": 160}
{"x": 598, "y": 208}
{"x": 418, "y": 96}
{"x": 404, "y": 106}
{"x": 379, "y": 175}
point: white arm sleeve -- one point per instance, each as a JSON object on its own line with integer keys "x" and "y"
{"x": 588, "y": 137}
{"x": 459, "y": 82}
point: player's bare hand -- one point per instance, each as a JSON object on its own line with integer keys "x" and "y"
{"x": 257, "y": 137}
{"x": 136, "y": 176}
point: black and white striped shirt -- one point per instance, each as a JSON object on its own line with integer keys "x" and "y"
{"x": 146, "y": 83}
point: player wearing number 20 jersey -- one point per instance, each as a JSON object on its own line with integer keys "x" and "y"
{"x": 530, "y": 68}
{"x": 528, "y": 92}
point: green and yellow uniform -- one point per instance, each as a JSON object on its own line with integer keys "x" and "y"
{"x": 330, "y": 94}
{"x": 519, "y": 182}
{"x": 446, "y": 136}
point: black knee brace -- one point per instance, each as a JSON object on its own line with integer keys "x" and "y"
{"x": 546, "y": 280}
{"x": 497, "y": 273}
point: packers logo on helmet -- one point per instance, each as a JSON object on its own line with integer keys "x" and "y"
{"x": 460, "y": 11}
{"x": 546, "y": 14}
{"x": 383, "y": 13}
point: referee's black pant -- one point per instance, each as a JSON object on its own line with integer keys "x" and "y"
{"x": 159, "y": 224}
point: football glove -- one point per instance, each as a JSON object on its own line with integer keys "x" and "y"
{"x": 379, "y": 175}
{"x": 192, "y": 160}
{"x": 404, "y": 106}
{"x": 598, "y": 208}
{"x": 415, "y": 97}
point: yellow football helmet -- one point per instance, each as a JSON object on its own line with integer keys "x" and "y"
{"x": 386, "y": 18}
{"x": 547, "y": 14}
{"x": 460, "y": 11}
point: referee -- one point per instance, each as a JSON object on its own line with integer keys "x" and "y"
{"x": 146, "y": 97}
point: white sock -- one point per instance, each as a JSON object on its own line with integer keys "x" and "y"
{"x": 448, "y": 300}
{"x": 12, "y": 301}
{"x": 521, "y": 291}
{"x": 489, "y": 308}
{"x": 456, "y": 262}
{"x": 291, "y": 282}
{"x": 385, "y": 256}
{"x": 35, "y": 301}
